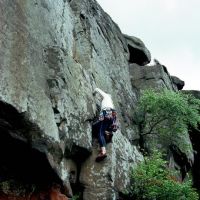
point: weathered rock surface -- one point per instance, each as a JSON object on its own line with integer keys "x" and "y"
{"x": 138, "y": 53}
{"x": 104, "y": 179}
{"x": 154, "y": 76}
{"x": 53, "y": 54}
{"x": 178, "y": 82}
{"x": 195, "y": 137}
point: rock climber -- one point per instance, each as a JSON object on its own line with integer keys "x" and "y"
{"x": 107, "y": 121}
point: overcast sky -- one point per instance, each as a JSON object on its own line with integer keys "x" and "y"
{"x": 170, "y": 29}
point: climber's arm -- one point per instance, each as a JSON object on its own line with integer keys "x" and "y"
{"x": 101, "y": 92}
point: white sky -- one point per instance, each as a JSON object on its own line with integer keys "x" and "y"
{"x": 170, "y": 29}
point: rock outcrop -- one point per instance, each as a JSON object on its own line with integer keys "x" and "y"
{"x": 195, "y": 137}
{"x": 178, "y": 82}
{"x": 139, "y": 54}
{"x": 154, "y": 76}
{"x": 157, "y": 77}
{"x": 52, "y": 56}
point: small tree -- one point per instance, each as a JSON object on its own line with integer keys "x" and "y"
{"x": 166, "y": 113}
{"x": 151, "y": 180}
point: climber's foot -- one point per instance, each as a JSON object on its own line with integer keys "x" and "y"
{"x": 101, "y": 157}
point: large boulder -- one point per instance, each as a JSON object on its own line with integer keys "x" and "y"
{"x": 138, "y": 53}
{"x": 152, "y": 76}
{"x": 178, "y": 82}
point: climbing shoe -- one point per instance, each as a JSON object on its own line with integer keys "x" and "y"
{"x": 101, "y": 157}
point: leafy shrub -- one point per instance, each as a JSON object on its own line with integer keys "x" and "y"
{"x": 76, "y": 197}
{"x": 178, "y": 109}
{"x": 151, "y": 180}
{"x": 166, "y": 114}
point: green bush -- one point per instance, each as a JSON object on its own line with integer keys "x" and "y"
{"x": 76, "y": 197}
{"x": 151, "y": 180}
{"x": 166, "y": 114}
{"x": 177, "y": 109}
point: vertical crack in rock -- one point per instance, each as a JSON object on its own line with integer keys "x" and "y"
{"x": 195, "y": 137}
{"x": 182, "y": 161}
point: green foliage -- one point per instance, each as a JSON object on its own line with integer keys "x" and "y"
{"x": 166, "y": 112}
{"x": 151, "y": 180}
{"x": 76, "y": 197}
